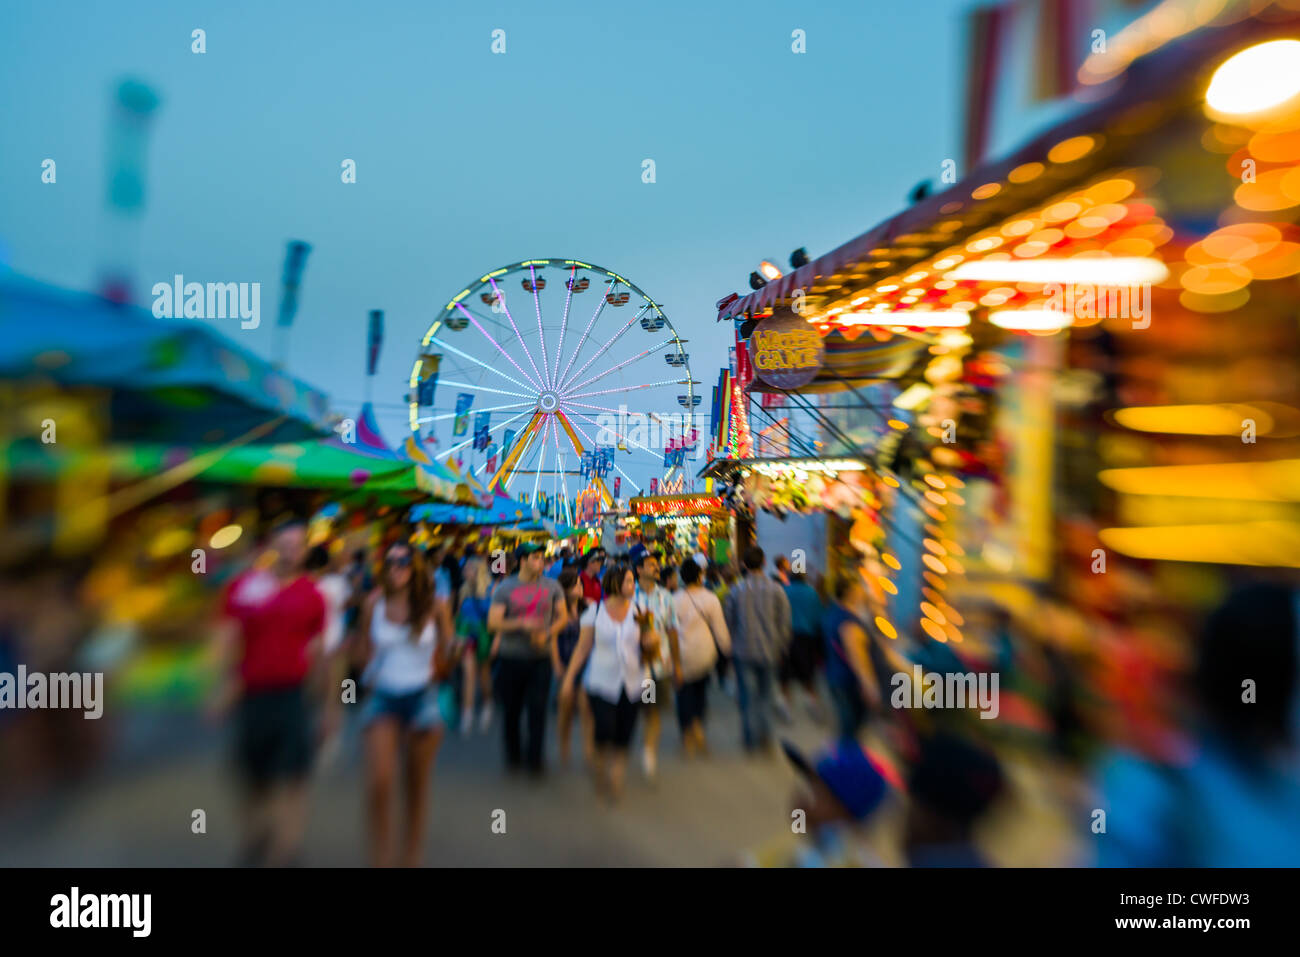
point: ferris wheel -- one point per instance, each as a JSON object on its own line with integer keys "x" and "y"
{"x": 560, "y": 383}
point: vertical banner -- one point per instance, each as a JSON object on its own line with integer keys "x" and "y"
{"x": 463, "y": 401}
{"x": 654, "y": 486}
{"x": 618, "y": 479}
{"x": 482, "y": 430}
{"x": 374, "y": 340}
{"x": 744, "y": 370}
{"x": 723, "y": 427}
{"x": 1059, "y": 47}
{"x": 983, "y": 57}
{"x": 295, "y": 260}
{"x": 428, "y": 381}
{"x": 507, "y": 442}
{"x": 128, "y": 141}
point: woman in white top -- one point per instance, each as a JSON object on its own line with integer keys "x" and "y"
{"x": 402, "y": 647}
{"x": 614, "y": 635}
{"x": 701, "y": 632}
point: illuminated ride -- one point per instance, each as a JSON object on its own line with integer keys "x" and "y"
{"x": 564, "y": 356}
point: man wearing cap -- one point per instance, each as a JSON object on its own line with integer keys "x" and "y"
{"x": 528, "y": 611}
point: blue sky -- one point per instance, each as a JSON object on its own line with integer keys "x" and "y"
{"x": 468, "y": 160}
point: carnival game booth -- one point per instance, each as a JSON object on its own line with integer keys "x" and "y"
{"x": 825, "y": 512}
{"x": 1101, "y": 429}
{"x": 687, "y": 523}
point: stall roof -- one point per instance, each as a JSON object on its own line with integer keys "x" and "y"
{"x": 167, "y": 379}
{"x": 1148, "y": 90}
{"x": 503, "y": 511}
{"x": 325, "y": 464}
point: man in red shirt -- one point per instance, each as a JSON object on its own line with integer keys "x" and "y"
{"x": 592, "y": 564}
{"x": 274, "y": 618}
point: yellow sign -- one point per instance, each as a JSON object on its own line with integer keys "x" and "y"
{"x": 787, "y": 352}
{"x": 800, "y": 349}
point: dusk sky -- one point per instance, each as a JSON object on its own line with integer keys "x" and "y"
{"x": 467, "y": 160}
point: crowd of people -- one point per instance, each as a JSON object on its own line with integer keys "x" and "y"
{"x": 619, "y": 641}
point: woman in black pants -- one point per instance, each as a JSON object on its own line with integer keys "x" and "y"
{"x": 612, "y": 636}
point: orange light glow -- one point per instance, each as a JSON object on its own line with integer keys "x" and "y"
{"x": 1067, "y": 151}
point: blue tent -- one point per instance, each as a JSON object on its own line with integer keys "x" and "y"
{"x": 165, "y": 379}
{"x": 503, "y": 511}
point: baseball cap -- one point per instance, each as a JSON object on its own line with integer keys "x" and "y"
{"x": 847, "y": 770}
{"x": 528, "y": 548}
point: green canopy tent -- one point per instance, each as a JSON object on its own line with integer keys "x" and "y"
{"x": 328, "y": 465}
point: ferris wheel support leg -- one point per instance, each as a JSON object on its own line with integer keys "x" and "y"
{"x": 521, "y": 442}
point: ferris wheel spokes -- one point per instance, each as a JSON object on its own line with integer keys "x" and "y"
{"x": 561, "y": 484}
{"x": 564, "y": 323}
{"x": 631, "y": 481}
{"x": 523, "y": 345}
{"x": 465, "y": 355}
{"x": 514, "y": 418}
{"x": 498, "y": 345}
{"x": 601, "y": 351}
{"x": 615, "y": 432}
{"x": 622, "y": 365}
{"x": 451, "y": 415}
{"x": 485, "y": 388}
{"x": 541, "y": 458}
{"x": 569, "y": 399}
{"x": 541, "y": 336}
{"x": 600, "y": 306}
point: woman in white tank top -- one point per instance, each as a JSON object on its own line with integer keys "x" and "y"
{"x": 403, "y": 648}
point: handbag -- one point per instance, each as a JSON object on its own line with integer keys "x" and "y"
{"x": 708, "y": 624}
{"x": 649, "y": 656}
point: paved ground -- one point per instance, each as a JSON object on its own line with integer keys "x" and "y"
{"x": 702, "y": 812}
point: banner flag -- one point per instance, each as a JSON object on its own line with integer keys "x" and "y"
{"x": 375, "y": 340}
{"x": 463, "y": 402}
{"x": 428, "y": 381}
